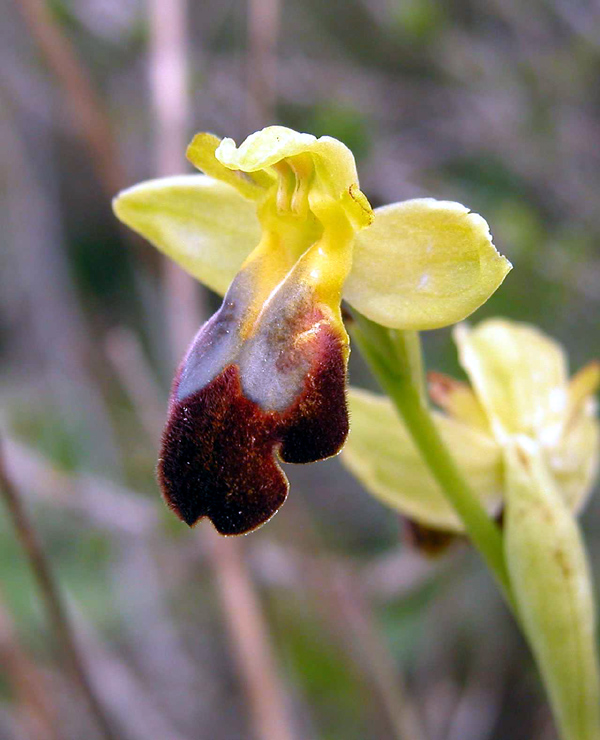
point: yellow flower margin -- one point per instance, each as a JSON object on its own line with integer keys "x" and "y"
{"x": 417, "y": 264}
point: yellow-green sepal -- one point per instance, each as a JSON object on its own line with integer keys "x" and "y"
{"x": 552, "y": 589}
{"x": 423, "y": 264}
{"x": 204, "y": 225}
{"x": 382, "y": 455}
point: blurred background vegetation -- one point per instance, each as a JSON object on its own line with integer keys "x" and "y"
{"x": 327, "y": 621}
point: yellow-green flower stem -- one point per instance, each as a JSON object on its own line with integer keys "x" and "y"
{"x": 396, "y": 361}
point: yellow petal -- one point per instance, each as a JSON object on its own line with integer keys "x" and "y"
{"x": 519, "y": 375}
{"x": 204, "y": 225}
{"x": 551, "y": 583}
{"x": 381, "y": 454}
{"x": 423, "y": 264}
{"x": 335, "y": 175}
{"x": 263, "y": 148}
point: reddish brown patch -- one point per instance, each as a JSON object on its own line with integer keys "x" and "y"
{"x": 441, "y": 387}
{"x": 220, "y": 450}
{"x": 431, "y": 542}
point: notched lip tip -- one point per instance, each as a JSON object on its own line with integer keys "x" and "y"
{"x": 240, "y": 533}
{"x": 246, "y": 531}
{"x": 237, "y": 533}
{"x": 190, "y": 521}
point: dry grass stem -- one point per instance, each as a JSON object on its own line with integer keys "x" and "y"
{"x": 51, "y": 597}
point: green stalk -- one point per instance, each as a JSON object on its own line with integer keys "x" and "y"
{"x": 396, "y": 360}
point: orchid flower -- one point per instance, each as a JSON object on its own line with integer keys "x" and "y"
{"x": 519, "y": 389}
{"x": 280, "y": 227}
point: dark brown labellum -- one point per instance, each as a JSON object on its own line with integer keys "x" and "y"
{"x": 246, "y": 406}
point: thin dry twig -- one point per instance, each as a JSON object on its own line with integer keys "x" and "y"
{"x": 87, "y": 110}
{"x": 241, "y": 606}
{"x": 104, "y": 503}
{"x": 263, "y": 30}
{"x": 36, "y": 710}
{"x": 126, "y": 354}
{"x": 371, "y": 653}
{"x": 38, "y": 264}
{"x": 125, "y": 691}
{"x": 342, "y": 593}
{"x": 250, "y": 638}
{"x": 170, "y": 101}
{"x": 51, "y": 597}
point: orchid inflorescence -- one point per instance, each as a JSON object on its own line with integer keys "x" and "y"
{"x": 280, "y": 228}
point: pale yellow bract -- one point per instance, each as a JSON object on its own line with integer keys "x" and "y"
{"x": 552, "y": 586}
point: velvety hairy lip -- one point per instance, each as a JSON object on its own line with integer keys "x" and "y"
{"x": 220, "y": 450}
